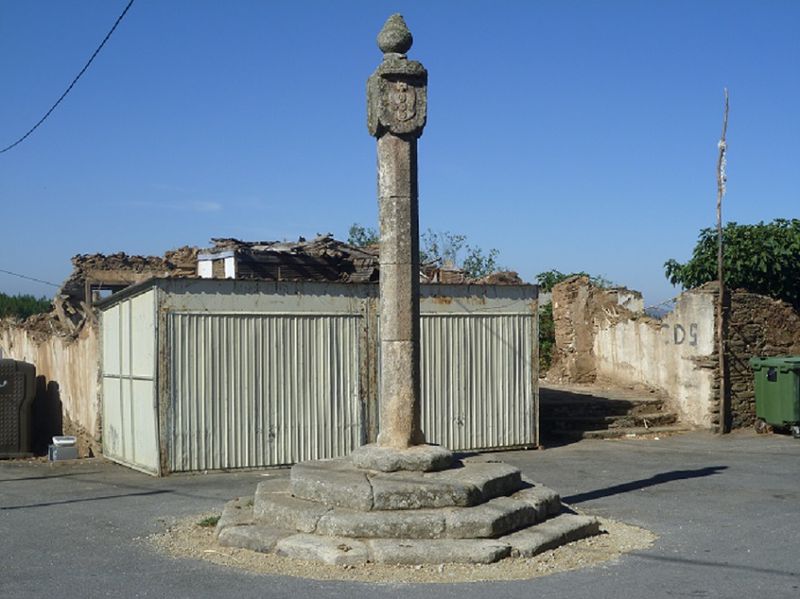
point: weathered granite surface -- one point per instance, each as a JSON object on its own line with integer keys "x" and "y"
{"x": 475, "y": 511}
{"x": 419, "y": 458}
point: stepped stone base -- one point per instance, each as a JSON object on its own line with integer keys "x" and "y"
{"x": 337, "y": 513}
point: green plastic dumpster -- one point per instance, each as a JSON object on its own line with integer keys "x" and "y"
{"x": 778, "y": 391}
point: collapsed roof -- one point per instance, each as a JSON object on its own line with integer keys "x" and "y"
{"x": 320, "y": 259}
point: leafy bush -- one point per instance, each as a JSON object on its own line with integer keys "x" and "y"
{"x": 763, "y": 258}
{"x": 547, "y": 337}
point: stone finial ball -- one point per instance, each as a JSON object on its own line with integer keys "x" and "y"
{"x": 395, "y": 36}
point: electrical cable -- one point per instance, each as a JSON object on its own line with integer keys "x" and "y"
{"x": 16, "y": 274}
{"x": 71, "y": 85}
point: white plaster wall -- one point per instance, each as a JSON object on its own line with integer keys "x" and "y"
{"x": 72, "y": 363}
{"x": 205, "y": 269}
{"x": 639, "y": 351}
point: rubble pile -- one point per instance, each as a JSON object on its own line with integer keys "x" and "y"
{"x": 321, "y": 259}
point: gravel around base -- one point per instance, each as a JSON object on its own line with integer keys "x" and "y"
{"x": 186, "y": 539}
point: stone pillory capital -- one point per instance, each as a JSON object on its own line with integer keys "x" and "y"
{"x": 395, "y": 36}
{"x": 397, "y": 92}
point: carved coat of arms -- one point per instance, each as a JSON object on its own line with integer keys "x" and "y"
{"x": 397, "y": 98}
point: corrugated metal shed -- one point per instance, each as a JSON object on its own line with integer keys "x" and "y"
{"x": 246, "y": 374}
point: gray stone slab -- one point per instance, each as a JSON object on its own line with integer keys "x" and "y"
{"x": 335, "y": 483}
{"x": 236, "y": 512}
{"x": 255, "y": 537}
{"x": 544, "y": 500}
{"x": 279, "y": 509}
{"x": 338, "y": 483}
{"x": 330, "y": 550}
{"x": 492, "y": 519}
{"x": 401, "y": 524}
{"x": 553, "y": 533}
{"x": 272, "y": 485}
{"x": 413, "y": 491}
{"x": 421, "y": 458}
{"x": 436, "y": 551}
{"x": 490, "y": 479}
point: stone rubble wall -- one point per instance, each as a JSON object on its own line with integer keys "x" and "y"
{"x": 758, "y": 326}
{"x": 597, "y": 338}
{"x": 578, "y": 306}
{"x": 68, "y": 373}
{"x": 574, "y": 302}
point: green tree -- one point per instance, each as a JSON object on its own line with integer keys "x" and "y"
{"x": 438, "y": 247}
{"x": 22, "y": 306}
{"x": 763, "y": 258}
{"x": 444, "y": 247}
{"x": 360, "y": 236}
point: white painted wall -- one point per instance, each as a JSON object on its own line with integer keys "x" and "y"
{"x": 205, "y": 268}
{"x": 130, "y": 424}
{"x": 641, "y": 351}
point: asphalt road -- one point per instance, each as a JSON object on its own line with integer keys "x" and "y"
{"x": 726, "y": 510}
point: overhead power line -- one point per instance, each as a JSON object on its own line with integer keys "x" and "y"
{"x": 16, "y": 274}
{"x": 74, "y": 81}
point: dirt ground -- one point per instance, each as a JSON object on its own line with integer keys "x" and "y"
{"x": 186, "y": 538}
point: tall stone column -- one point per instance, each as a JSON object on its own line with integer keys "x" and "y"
{"x": 396, "y": 110}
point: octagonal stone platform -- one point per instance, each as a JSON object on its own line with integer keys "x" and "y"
{"x": 476, "y": 511}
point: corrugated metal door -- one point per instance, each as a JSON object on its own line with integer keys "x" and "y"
{"x": 129, "y": 403}
{"x": 254, "y": 390}
{"x": 477, "y": 380}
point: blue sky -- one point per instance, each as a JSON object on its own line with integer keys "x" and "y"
{"x": 568, "y": 135}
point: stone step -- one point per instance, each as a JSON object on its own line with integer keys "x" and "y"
{"x": 337, "y": 483}
{"x": 617, "y": 433}
{"x": 638, "y": 431}
{"x": 344, "y": 551}
{"x": 551, "y": 392}
{"x": 553, "y": 533}
{"x": 493, "y": 518}
{"x": 598, "y": 422}
{"x": 646, "y": 419}
{"x": 437, "y": 551}
{"x": 600, "y": 404}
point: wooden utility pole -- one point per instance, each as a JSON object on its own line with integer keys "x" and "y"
{"x": 724, "y": 398}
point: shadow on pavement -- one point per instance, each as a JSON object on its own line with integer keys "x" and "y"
{"x": 81, "y": 500}
{"x": 634, "y": 485}
{"x": 46, "y": 477}
{"x": 711, "y": 564}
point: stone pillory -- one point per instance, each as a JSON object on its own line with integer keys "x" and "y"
{"x": 396, "y": 109}
{"x": 400, "y": 501}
